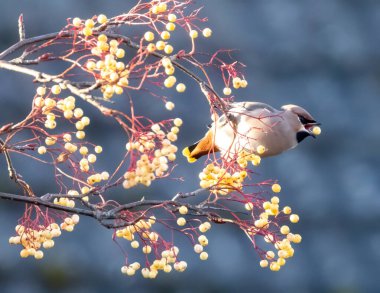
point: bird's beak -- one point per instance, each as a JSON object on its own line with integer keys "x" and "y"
{"x": 309, "y": 127}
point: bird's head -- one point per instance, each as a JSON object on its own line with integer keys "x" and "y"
{"x": 301, "y": 121}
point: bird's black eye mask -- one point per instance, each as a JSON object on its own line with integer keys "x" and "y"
{"x": 305, "y": 121}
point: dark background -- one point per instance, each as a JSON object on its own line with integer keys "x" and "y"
{"x": 323, "y": 55}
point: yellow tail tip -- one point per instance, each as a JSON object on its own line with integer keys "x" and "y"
{"x": 191, "y": 160}
{"x": 187, "y": 154}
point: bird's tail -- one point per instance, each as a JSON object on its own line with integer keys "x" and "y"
{"x": 200, "y": 148}
{"x": 187, "y": 152}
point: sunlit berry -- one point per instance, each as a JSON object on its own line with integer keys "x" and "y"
{"x": 276, "y": 188}
{"x": 207, "y": 32}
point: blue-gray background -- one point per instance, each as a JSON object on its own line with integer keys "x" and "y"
{"x": 323, "y": 55}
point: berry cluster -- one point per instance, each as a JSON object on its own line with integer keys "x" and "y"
{"x": 154, "y": 151}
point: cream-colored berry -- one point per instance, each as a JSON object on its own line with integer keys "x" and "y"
{"x": 181, "y": 87}
{"x": 207, "y": 32}
{"x": 147, "y": 249}
{"x": 169, "y": 106}
{"x": 168, "y": 49}
{"x": 203, "y": 255}
{"x": 102, "y": 19}
{"x": 177, "y": 122}
{"x": 41, "y": 150}
{"x": 227, "y": 91}
{"x": 135, "y": 244}
{"x": 294, "y": 218}
{"x": 264, "y": 263}
{"x": 183, "y": 210}
{"x": 198, "y": 248}
{"x": 77, "y": 22}
{"x": 98, "y": 149}
{"x": 249, "y": 206}
{"x": 181, "y": 221}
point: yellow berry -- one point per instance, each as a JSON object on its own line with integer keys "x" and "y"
{"x": 275, "y": 200}
{"x": 170, "y": 26}
{"x": 260, "y": 149}
{"x": 297, "y": 238}
{"x": 24, "y": 253}
{"x": 80, "y": 134}
{"x": 287, "y": 210}
{"x": 284, "y": 230}
{"x": 98, "y": 149}
{"x": 87, "y": 31}
{"x": 162, "y": 7}
{"x": 165, "y": 35}
{"x": 274, "y": 266}
{"x": 120, "y": 53}
{"x": 170, "y": 81}
{"x": 89, "y": 23}
{"x": 276, "y": 188}
{"x": 168, "y": 49}
{"x": 160, "y": 45}
{"x": 151, "y": 47}
{"x": 193, "y": 34}
{"x": 317, "y": 130}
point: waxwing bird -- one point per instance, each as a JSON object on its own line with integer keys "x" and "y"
{"x": 248, "y": 125}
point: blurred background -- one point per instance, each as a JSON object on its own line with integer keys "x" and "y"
{"x": 323, "y": 55}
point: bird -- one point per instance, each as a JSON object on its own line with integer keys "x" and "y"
{"x": 250, "y": 125}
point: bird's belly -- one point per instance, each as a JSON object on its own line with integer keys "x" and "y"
{"x": 273, "y": 138}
